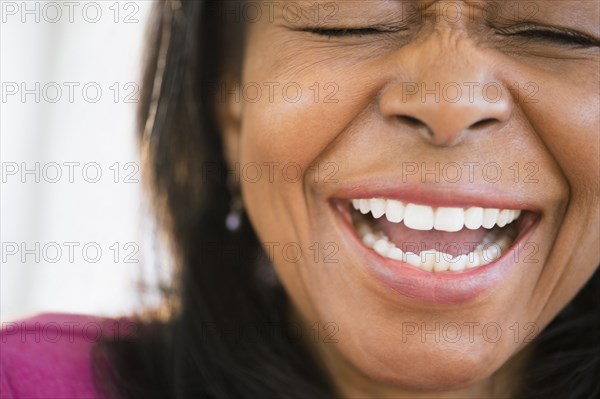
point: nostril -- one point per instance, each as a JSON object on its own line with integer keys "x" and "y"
{"x": 483, "y": 123}
{"x": 411, "y": 120}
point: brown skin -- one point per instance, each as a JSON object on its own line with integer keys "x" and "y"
{"x": 363, "y": 136}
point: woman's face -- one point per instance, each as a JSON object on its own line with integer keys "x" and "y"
{"x": 446, "y": 113}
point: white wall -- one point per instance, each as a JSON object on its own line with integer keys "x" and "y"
{"x": 82, "y": 47}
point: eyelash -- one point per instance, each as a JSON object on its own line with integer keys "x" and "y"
{"x": 345, "y": 32}
{"x": 560, "y": 37}
{"x": 564, "y": 37}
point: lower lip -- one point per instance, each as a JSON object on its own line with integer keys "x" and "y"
{"x": 445, "y": 288}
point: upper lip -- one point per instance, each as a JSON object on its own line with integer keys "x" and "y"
{"x": 436, "y": 195}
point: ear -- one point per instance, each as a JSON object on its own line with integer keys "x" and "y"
{"x": 229, "y": 118}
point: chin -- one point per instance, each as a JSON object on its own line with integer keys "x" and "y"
{"x": 430, "y": 367}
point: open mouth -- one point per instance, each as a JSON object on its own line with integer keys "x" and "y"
{"x": 437, "y": 240}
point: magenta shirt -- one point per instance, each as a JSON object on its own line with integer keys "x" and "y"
{"x": 49, "y": 355}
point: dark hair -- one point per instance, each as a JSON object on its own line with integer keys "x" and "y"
{"x": 229, "y": 333}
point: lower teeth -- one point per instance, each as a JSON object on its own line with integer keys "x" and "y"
{"x": 493, "y": 245}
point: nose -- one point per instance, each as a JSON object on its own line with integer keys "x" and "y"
{"x": 443, "y": 98}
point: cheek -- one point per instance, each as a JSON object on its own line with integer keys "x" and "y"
{"x": 305, "y": 116}
{"x": 286, "y": 132}
{"x": 565, "y": 117}
{"x": 303, "y": 103}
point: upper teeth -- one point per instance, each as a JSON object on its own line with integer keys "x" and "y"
{"x": 423, "y": 217}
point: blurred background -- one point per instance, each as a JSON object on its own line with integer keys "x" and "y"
{"x": 75, "y": 229}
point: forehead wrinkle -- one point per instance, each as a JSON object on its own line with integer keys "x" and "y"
{"x": 307, "y": 9}
{"x": 339, "y": 16}
{"x": 424, "y": 4}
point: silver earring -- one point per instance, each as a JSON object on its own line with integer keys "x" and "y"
{"x": 233, "y": 220}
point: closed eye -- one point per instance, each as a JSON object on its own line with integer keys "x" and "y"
{"x": 344, "y": 32}
{"x": 555, "y": 35}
